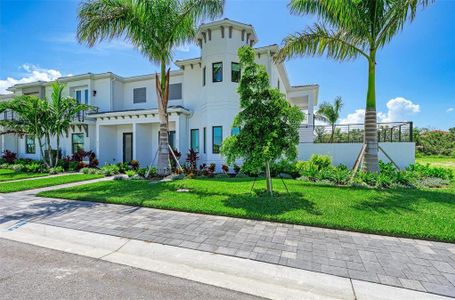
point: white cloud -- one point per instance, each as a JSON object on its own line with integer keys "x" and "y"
{"x": 450, "y": 109}
{"x": 353, "y": 118}
{"x": 398, "y": 109}
{"x": 32, "y": 73}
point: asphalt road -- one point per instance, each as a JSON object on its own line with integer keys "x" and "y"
{"x": 30, "y": 272}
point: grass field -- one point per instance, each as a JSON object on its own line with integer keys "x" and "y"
{"x": 6, "y": 175}
{"x": 438, "y": 161}
{"x": 425, "y": 214}
{"x": 23, "y": 185}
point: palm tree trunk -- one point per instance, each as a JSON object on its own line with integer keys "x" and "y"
{"x": 162, "y": 92}
{"x": 58, "y": 147}
{"x": 333, "y": 133}
{"x": 371, "y": 130}
{"x": 49, "y": 150}
{"x": 41, "y": 148}
{"x": 268, "y": 179}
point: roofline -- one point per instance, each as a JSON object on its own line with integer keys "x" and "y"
{"x": 227, "y": 21}
{"x": 84, "y": 76}
{"x": 154, "y": 111}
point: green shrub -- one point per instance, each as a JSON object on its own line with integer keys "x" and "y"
{"x": 130, "y": 173}
{"x": 109, "y": 170}
{"x": 56, "y": 170}
{"x": 122, "y": 167}
{"x": 284, "y": 166}
{"x": 420, "y": 171}
{"x": 321, "y": 161}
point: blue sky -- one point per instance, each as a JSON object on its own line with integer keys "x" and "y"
{"x": 415, "y": 79}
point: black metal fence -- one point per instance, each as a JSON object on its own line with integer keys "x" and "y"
{"x": 354, "y": 133}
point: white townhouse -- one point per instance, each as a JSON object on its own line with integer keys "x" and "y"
{"x": 202, "y": 105}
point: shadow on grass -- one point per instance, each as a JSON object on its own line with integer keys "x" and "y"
{"x": 254, "y": 204}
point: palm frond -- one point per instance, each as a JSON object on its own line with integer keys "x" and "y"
{"x": 397, "y": 14}
{"x": 320, "y": 40}
{"x": 345, "y": 14}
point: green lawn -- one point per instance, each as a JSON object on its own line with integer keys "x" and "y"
{"x": 438, "y": 161}
{"x": 6, "y": 175}
{"x": 426, "y": 214}
{"x": 23, "y": 185}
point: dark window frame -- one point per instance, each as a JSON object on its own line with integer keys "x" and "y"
{"x": 205, "y": 140}
{"x": 204, "y": 76}
{"x": 233, "y": 75}
{"x": 145, "y": 96}
{"x": 215, "y": 147}
{"x": 196, "y": 140}
{"x": 30, "y": 148}
{"x": 214, "y": 79}
{"x": 73, "y": 143}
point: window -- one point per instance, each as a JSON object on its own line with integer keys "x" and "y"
{"x": 78, "y": 95}
{"x": 217, "y": 138}
{"x": 195, "y": 139}
{"x": 77, "y": 142}
{"x": 235, "y": 131}
{"x": 205, "y": 139}
{"x": 171, "y": 137}
{"x": 203, "y": 76}
{"x": 29, "y": 145}
{"x": 217, "y": 72}
{"x": 175, "y": 91}
{"x": 235, "y": 72}
{"x": 139, "y": 95}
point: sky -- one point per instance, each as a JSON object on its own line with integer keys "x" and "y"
{"x": 415, "y": 71}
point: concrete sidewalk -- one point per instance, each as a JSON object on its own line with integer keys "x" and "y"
{"x": 238, "y": 274}
{"x": 412, "y": 264}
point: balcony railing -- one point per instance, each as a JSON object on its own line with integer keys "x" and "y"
{"x": 82, "y": 115}
{"x": 8, "y": 115}
{"x": 354, "y": 133}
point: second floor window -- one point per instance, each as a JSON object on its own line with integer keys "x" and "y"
{"x": 140, "y": 95}
{"x": 235, "y": 72}
{"x": 29, "y": 145}
{"x": 82, "y": 96}
{"x": 203, "y": 76}
{"x": 77, "y": 142}
{"x": 195, "y": 139}
{"x": 217, "y": 72}
{"x": 217, "y": 138}
{"x": 175, "y": 91}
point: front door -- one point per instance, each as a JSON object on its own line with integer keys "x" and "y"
{"x": 127, "y": 147}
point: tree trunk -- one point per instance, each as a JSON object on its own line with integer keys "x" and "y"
{"x": 162, "y": 93}
{"x": 268, "y": 179}
{"x": 41, "y": 148}
{"x": 49, "y": 151}
{"x": 333, "y": 133}
{"x": 371, "y": 130}
{"x": 58, "y": 147}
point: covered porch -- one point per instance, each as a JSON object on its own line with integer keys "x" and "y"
{"x": 133, "y": 135}
{"x": 305, "y": 97}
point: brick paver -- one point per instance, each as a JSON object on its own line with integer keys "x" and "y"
{"x": 413, "y": 264}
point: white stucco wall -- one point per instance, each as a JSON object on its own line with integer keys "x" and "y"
{"x": 343, "y": 153}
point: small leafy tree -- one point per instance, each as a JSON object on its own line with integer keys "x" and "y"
{"x": 330, "y": 113}
{"x": 269, "y": 124}
{"x": 31, "y": 117}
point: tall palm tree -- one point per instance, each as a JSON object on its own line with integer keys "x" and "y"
{"x": 155, "y": 28}
{"x": 330, "y": 113}
{"x": 346, "y": 30}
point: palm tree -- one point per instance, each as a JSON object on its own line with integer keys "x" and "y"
{"x": 31, "y": 117}
{"x": 155, "y": 28}
{"x": 330, "y": 113}
{"x": 63, "y": 110}
{"x": 348, "y": 29}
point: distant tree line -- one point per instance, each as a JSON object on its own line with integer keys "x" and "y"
{"x": 435, "y": 142}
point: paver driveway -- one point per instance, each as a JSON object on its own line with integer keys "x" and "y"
{"x": 413, "y": 264}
